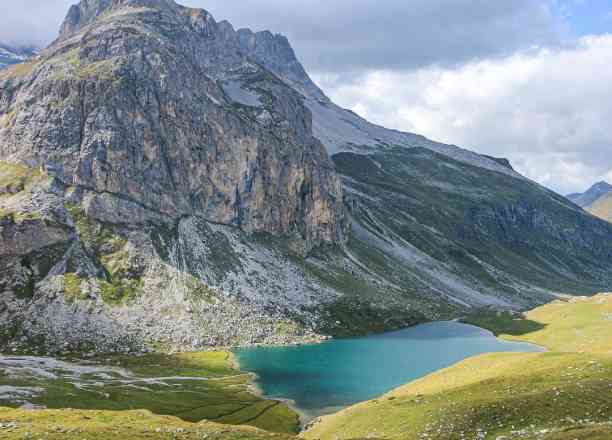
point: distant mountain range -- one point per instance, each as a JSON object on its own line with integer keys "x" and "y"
{"x": 14, "y": 55}
{"x": 597, "y": 200}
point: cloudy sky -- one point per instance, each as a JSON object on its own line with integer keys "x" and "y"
{"x": 530, "y": 80}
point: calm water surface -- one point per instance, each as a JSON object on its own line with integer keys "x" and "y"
{"x": 322, "y": 378}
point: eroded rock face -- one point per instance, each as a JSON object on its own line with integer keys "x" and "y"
{"x": 274, "y": 52}
{"x": 129, "y": 104}
{"x": 158, "y": 172}
{"x": 123, "y": 145}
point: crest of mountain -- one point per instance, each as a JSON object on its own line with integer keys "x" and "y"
{"x": 597, "y": 200}
{"x": 339, "y": 129}
{"x": 167, "y": 179}
{"x": 591, "y": 195}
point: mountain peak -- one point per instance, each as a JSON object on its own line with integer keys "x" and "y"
{"x": 275, "y": 53}
{"x": 590, "y": 196}
{"x": 155, "y": 157}
{"x": 602, "y": 185}
{"x": 205, "y": 106}
{"x": 87, "y": 11}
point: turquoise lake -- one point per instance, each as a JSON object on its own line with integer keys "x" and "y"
{"x": 323, "y": 378}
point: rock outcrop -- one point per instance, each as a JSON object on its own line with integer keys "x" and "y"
{"x": 136, "y": 100}
{"x": 142, "y": 115}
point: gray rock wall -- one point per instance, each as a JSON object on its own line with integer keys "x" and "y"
{"x": 128, "y": 102}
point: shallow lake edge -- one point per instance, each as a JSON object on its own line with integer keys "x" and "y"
{"x": 305, "y": 419}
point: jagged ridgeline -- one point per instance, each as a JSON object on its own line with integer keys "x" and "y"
{"x": 164, "y": 181}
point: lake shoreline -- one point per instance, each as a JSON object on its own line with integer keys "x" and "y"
{"x": 452, "y": 331}
{"x": 256, "y": 390}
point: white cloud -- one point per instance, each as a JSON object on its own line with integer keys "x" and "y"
{"x": 439, "y": 68}
{"x": 349, "y": 35}
{"x": 548, "y": 111}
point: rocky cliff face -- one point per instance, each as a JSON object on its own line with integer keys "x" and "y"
{"x": 155, "y": 105}
{"x": 448, "y": 223}
{"x": 142, "y": 115}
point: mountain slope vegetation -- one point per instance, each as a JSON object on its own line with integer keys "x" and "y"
{"x": 500, "y": 236}
{"x": 602, "y": 208}
{"x": 559, "y": 394}
{"x": 107, "y": 425}
{"x": 190, "y": 386}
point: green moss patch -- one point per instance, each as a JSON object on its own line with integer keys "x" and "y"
{"x": 120, "y": 291}
{"x": 70, "y": 65}
{"x": 7, "y": 120}
{"x": 72, "y": 287}
{"x": 124, "y": 281}
{"x": 197, "y": 290}
{"x": 15, "y": 178}
{"x": 93, "y": 234}
{"x": 288, "y": 328}
{"x": 18, "y": 217}
{"x": 503, "y": 322}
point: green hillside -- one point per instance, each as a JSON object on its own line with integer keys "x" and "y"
{"x": 473, "y": 234}
{"x": 602, "y": 208}
{"x": 562, "y": 394}
{"x": 173, "y": 392}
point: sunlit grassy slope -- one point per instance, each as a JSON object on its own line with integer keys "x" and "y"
{"x": 191, "y": 387}
{"x": 107, "y": 425}
{"x": 562, "y": 394}
{"x": 602, "y": 208}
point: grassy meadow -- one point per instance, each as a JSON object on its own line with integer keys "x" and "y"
{"x": 190, "y": 387}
